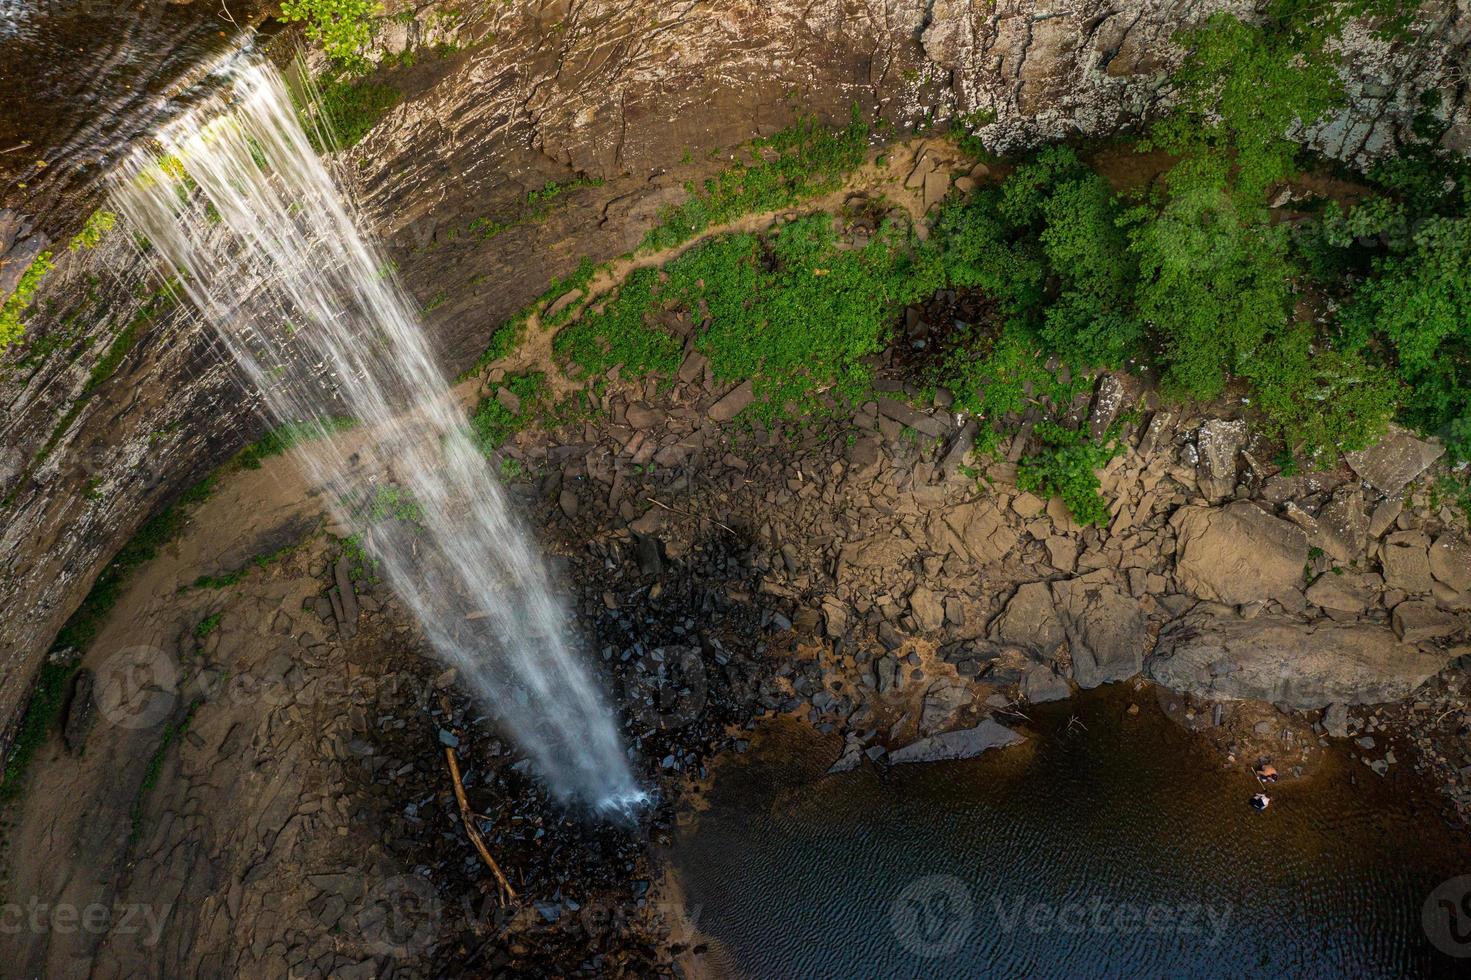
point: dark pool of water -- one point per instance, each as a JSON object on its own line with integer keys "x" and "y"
{"x": 1122, "y": 850}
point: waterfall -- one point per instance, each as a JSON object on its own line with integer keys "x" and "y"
{"x": 238, "y": 207}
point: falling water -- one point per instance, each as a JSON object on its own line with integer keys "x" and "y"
{"x": 240, "y": 209}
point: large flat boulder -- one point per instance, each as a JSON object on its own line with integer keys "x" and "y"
{"x": 963, "y": 744}
{"x": 1391, "y": 463}
{"x": 1106, "y": 629}
{"x": 1278, "y": 659}
{"x": 1029, "y": 621}
{"x": 1238, "y": 553}
{"x": 1450, "y": 561}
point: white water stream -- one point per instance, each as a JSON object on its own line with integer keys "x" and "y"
{"x": 239, "y": 207}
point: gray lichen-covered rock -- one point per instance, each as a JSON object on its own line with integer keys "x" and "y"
{"x": 1238, "y": 553}
{"x": 1040, "y": 684}
{"x": 963, "y": 744}
{"x": 1450, "y": 561}
{"x": 1285, "y": 661}
{"x": 1390, "y": 464}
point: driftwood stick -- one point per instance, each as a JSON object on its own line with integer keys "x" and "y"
{"x": 505, "y": 893}
{"x": 685, "y": 513}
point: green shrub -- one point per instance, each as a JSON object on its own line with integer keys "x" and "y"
{"x": 1067, "y": 468}
{"x": 352, "y": 107}
{"x": 1215, "y": 284}
{"x": 344, "y": 28}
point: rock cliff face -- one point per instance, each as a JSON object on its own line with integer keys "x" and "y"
{"x": 115, "y": 403}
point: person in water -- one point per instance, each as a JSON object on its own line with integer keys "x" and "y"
{"x": 1261, "y": 801}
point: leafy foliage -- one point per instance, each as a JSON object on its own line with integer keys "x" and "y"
{"x": 344, "y": 28}
{"x": 1067, "y": 468}
{"x": 1215, "y": 283}
{"x": 1244, "y": 88}
{"x": 493, "y": 423}
{"x": 352, "y": 107}
{"x": 12, "y": 328}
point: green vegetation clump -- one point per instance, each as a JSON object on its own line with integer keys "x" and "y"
{"x": 791, "y": 309}
{"x": 1067, "y": 468}
{"x": 796, "y": 164}
{"x": 344, "y": 28}
{"x": 288, "y": 435}
{"x": 12, "y": 327}
{"x": 352, "y": 106}
{"x": 12, "y": 312}
{"x": 494, "y": 423}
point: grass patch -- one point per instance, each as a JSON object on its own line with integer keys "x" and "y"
{"x": 350, "y": 107}
{"x": 289, "y": 435}
{"x": 493, "y": 423}
{"x": 798, "y": 163}
{"x": 42, "y": 714}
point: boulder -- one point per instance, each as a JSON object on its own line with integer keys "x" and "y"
{"x": 963, "y": 744}
{"x": 733, "y": 403}
{"x": 1238, "y": 554}
{"x": 1289, "y": 662}
{"x": 927, "y": 609}
{"x": 943, "y": 699}
{"x": 1405, "y": 559}
{"x": 851, "y": 756}
{"x": 1343, "y": 526}
{"x": 1390, "y": 464}
{"x": 982, "y": 529}
{"x": 1106, "y": 629}
{"x": 1341, "y": 593}
{"x": 1218, "y": 441}
{"x": 1040, "y": 684}
{"x": 1418, "y": 620}
{"x": 1029, "y": 621}
{"x": 1450, "y": 561}
{"x": 1335, "y": 720}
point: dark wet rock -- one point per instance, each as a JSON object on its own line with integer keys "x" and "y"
{"x": 1106, "y": 630}
{"x": 1398, "y": 458}
{"x": 1283, "y": 660}
{"x": 851, "y": 756}
{"x": 342, "y": 574}
{"x": 81, "y": 713}
{"x": 1030, "y": 621}
{"x": 1040, "y": 684}
{"x": 963, "y": 744}
{"x": 1238, "y": 554}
